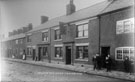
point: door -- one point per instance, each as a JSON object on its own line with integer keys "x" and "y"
{"x": 68, "y": 55}
{"x": 104, "y": 52}
{"x": 34, "y": 53}
{"x": 39, "y": 53}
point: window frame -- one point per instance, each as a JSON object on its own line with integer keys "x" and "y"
{"x": 56, "y": 35}
{"x": 45, "y": 37}
{"x": 83, "y": 30}
{"x": 83, "y": 52}
{"x": 60, "y": 49}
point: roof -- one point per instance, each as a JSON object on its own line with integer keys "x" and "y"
{"x": 89, "y": 12}
{"x": 118, "y": 4}
{"x": 78, "y": 15}
{"x": 22, "y": 35}
{"x": 94, "y": 10}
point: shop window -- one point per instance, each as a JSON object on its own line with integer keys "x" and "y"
{"x": 45, "y": 36}
{"x": 57, "y": 34}
{"x": 58, "y": 52}
{"x": 82, "y": 52}
{"x": 122, "y": 52}
{"x": 82, "y": 30}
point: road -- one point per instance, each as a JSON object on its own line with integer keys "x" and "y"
{"x": 20, "y": 72}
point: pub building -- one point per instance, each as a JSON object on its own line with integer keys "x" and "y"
{"x": 105, "y": 28}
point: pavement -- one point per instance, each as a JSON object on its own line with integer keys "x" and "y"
{"x": 88, "y": 69}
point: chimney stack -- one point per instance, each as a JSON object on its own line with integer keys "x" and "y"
{"x": 44, "y": 19}
{"x": 70, "y": 8}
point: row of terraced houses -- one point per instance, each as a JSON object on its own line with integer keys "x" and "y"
{"x": 105, "y": 28}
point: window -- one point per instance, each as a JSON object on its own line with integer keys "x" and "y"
{"x": 45, "y": 52}
{"x": 28, "y": 38}
{"x": 57, "y": 34}
{"x": 122, "y": 52}
{"x": 45, "y": 36}
{"x": 58, "y": 52}
{"x": 82, "y": 52}
{"x": 29, "y": 51}
{"x": 82, "y": 30}
{"x": 125, "y": 26}
{"x": 21, "y": 41}
{"x": 16, "y": 41}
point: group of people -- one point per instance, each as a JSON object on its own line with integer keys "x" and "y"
{"x": 98, "y": 62}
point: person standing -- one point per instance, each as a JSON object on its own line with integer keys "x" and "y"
{"x": 98, "y": 60}
{"x": 108, "y": 62}
{"x": 127, "y": 64}
{"x": 94, "y": 60}
{"x": 24, "y": 55}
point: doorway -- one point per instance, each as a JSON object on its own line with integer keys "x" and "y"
{"x": 39, "y": 53}
{"x": 104, "y": 52}
{"x": 34, "y": 54}
{"x": 68, "y": 54}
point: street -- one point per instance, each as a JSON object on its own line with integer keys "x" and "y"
{"x": 20, "y": 72}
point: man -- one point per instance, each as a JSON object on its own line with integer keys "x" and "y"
{"x": 94, "y": 60}
{"x": 108, "y": 62}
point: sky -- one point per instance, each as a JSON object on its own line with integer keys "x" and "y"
{"x": 15, "y": 14}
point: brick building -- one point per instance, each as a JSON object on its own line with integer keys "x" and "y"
{"x": 105, "y": 28}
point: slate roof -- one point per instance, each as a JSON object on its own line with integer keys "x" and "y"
{"x": 78, "y": 15}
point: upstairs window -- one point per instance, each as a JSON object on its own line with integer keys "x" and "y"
{"x": 28, "y": 38}
{"x": 125, "y": 26}
{"x": 16, "y": 41}
{"x": 45, "y": 36}
{"x": 57, "y": 34}
{"x": 82, "y": 30}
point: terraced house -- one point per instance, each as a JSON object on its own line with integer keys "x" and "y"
{"x": 105, "y": 28}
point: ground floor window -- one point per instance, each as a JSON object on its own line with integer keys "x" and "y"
{"x": 82, "y": 52}
{"x": 29, "y": 51}
{"x": 122, "y": 52}
{"x": 45, "y": 52}
{"x": 58, "y": 52}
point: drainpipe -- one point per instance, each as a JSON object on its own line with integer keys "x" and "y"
{"x": 99, "y": 35}
{"x": 49, "y": 56}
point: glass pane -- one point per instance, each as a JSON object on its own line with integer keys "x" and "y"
{"x": 80, "y": 34}
{"x": 80, "y": 27}
{"x": 127, "y": 26}
{"x": 86, "y": 27}
{"x": 86, "y": 33}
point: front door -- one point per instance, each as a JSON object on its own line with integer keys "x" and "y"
{"x": 104, "y": 52}
{"x": 39, "y": 53}
{"x": 68, "y": 54}
{"x": 34, "y": 54}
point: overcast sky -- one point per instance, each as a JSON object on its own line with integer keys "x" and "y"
{"x": 18, "y": 13}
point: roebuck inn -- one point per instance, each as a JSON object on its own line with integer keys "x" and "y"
{"x": 105, "y": 28}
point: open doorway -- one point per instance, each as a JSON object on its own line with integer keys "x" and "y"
{"x": 68, "y": 55}
{"x": 104, "y": 52}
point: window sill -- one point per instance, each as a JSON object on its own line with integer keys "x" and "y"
{"x": 81, "y": 59}
{"x": 45, "y": 41}
{"x": 81, "y": 37}
{"x": 57, "y": 58}
{"x": 58, "y": 40}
